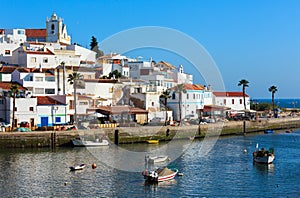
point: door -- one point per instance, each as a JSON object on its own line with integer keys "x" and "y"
{"x": 44, "y": 121}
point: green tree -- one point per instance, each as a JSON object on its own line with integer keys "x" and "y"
{"x": 74, "y": 79}
{"x": 180, "y": 89}
{"x": 94, "y": 47}
{"x": 273, "y": 90}
{"x": 166, "y": 95}
{"x": 115, "y": 74}
{"x": 14, "y": 91}
{"x": 244, "y": 83}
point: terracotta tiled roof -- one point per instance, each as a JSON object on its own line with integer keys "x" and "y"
{"x": 80, "y": 97}
{"x": 47, "y": 52}
{"x": 190, "y": 87}
{"x": 35, "y": 33}
{"x": 101, "y": 80}
{"x": 166, "y": 64}
{"x": 229, "y": 94}
{"x": 106, "y": 110}
{"x": 7, "y": 85}
{"x": 34, "y": 70}
{"x": 1, "y": 31}
{"x": 46, "y": 100}
{"x": 7, "y": 69}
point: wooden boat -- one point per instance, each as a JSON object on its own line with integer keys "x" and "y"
{"x": 152, "y": 141}
{"x": 77, "y": 167}
{"x": 81, "y": 142}
{"x": 264, "y": 156}
{"x": 289, "y": 131}
{"x": 156, "y": 159}
{"x": 269, "y": 131}
{"x": 159, "y": 175}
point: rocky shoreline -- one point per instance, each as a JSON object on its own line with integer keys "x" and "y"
{"x": 130, "y": 135}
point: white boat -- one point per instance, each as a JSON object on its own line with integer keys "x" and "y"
{"x": 264, "y": 156}
{"x": 81, "y": 142}
{"x": 77, "y": 167}
{"x": 159, "y": 175}
{"x": 156, "y": 159}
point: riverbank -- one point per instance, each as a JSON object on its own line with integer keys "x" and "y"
{"x": 129, "y": 135}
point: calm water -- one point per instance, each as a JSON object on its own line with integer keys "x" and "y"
{"x": 283, "y": 103}
{"x": 225, "y": 172}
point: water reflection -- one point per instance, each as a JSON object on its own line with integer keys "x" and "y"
{"x": 264, "y": 168}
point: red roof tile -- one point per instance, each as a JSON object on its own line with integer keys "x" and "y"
{"x": 47, "y": 52}
{"x": 7, "y": 69}
{"x": 35, "y": 33}
{"x": 229, "y": 94}
{"x": 46, "y": 100}
{"x": 7, "y": 85}
{"x": 191, "y": 87}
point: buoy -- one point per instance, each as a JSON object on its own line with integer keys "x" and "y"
{"x": 245, "y": 150}
{"x": 94, "y": 166}
{"x": 66, "y": 183}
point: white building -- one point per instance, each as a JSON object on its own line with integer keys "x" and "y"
{"x": 194, "y": 99}
{"x": 233, "y": 100}
{"x": 12, "y": 36}
{"x": 113, "y": 61}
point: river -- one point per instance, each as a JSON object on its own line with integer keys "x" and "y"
{"x": 226, "y": 171}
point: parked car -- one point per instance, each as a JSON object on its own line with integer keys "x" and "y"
{"x": 24, "y": 124}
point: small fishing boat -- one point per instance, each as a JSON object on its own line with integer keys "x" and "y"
{"x": 269, "y": 131}
{"x": 156, "y": 159}
{"x": 152, "y": 141}
{"x": 289, "y": 131}
{"x": 264, "y": 156}
{"x": 77, "y": 167}
{"x": 159, "y": 175}
{"x": 97, "y": 142}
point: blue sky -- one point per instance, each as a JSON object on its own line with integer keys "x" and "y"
{"x": 257, "y": 40}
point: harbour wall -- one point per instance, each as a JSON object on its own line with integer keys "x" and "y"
{"x": 129, "y": 135}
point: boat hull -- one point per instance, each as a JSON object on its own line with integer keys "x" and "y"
{"x": 153, "y": 177}
{"x": 77, "y": 142}
{"x": 264, "y": 160}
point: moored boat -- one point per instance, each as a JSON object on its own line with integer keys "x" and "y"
{"x": 264, "y": 156}
{"x": 156, "y": 159}
{"x": 77, "y": 167}
{"x": 152, "y": 141}
{"x": 269, "y": 131}
{"x": 159, "y": 175}
{"x": 97, "y": 142}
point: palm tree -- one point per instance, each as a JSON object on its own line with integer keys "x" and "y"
{"x": 244, "y": 83}
{"x": 14, "y": 91}
{"x": 74, "y": 79}
{"x": 165, "y": 95}
{"x": 273, "y": 89}
{"x": 180, "y": 89}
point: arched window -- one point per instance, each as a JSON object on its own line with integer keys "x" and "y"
{"x": 52, "y": 27}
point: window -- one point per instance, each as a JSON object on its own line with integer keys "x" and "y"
{"x": 39, "y": 79}
{"x": 173, "y": 96}
{"x": 16, "y": 108}
{"x": 7, "y": 52}
{"x": 232, "y": 101}
{"x": 57, "y": 119}
{"x": 152, "y": 104}
{"x": 241, "y": 101}
{"x": 50, "y": 78}
{"x": 45, "y": 60}
{"x": 187, "y": 96}
{"x": 39, "y": 90}
{"x": 33, "y": 59}
{"x": 194, "y": 96}
{"x": 52, "y": 27}
{"x": 49, "y": 91}
{"x": 30, "y": 108}
{"x": 224, "y": 101}
{"x": 21, "y": 32}
{"x": 83, "y": 103}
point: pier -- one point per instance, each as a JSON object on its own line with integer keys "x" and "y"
{"x": 130, "y": 135}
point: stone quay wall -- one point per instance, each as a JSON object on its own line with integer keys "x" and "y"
{"x": 128, "y": 135}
